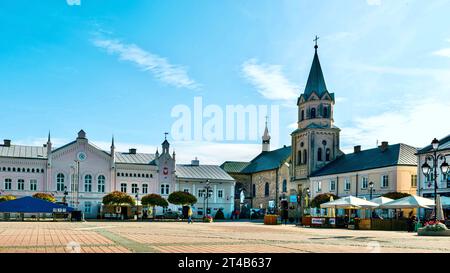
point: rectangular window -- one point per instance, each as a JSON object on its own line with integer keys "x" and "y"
{"x": 144, "y": 188}
{"x": 186, "y": 190}
{"x": 20, "y": 184}
{"x": 8, "y": 184}
{"x": 414, "y": 180}
{"x": 332, "y": 185}
{"x": 385, "y": 181}
{"x": 220, "y": 193}
{"x": 319, "y": 186}
{"x": 347, "y": 184}
{"x": 134, "y": 188}
{"x": 87, "y": 207}
{"x": 364, "y": 183}
{"x": 33, "y": 185}
{"x": 201, "y": 193}
{"x": 123, "y": 187}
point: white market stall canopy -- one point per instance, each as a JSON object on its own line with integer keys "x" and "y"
{"x": 409, "y": 202}
{"x": 381, "y": 200}
{"x": 349, "y": 202}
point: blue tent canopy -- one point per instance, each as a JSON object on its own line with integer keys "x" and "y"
{"x": 29, "y": 204}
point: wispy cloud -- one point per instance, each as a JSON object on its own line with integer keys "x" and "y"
{"x": 415, "y": 123}
{"x": 269, "y": 80}
{"x": 159, "y": 67}
{"x": 445, "y": 52}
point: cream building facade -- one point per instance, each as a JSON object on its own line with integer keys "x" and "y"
{"x": 391, "y": 168}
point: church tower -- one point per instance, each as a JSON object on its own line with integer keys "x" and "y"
{"x": 315, "y": 142}
{"x": 266, "y": 140}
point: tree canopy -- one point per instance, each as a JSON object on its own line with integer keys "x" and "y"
{"x": 4, "y": 198}
{"x": 45, "y": 196}
{"x": 322, "y": 198}
{"x": 118, "y": 198}
{"x": 154, "y": 200}
{"x": 396, "y": 195}
{"x": 182, "y": 198}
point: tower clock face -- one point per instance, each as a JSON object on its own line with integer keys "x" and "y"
{"x": 81, "y": 156}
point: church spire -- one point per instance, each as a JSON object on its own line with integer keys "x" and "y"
{"x": 266, "y": 139}
{"x": 48, "y": 139}
{"x": 316, "y": 81}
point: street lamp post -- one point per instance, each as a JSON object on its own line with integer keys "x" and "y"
{"x": 65, "y": 196}
{"x": 371, "y": 189}
{"x": 137, "y": 204}
{"x": 207, "y": 187}
{"x": 308, "y": 193}
{"x": 434, "y": 158}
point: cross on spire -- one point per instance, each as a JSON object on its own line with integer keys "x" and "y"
{"x": 165, "y": 135}
{"x": 315, "y": 40}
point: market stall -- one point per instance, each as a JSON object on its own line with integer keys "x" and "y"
{"x": 351, "y": 203}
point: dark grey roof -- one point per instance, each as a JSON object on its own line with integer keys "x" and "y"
{"x": 444, "y": 144}
{"x": 234, "y": 166}
{"x": 313, "y": 126}
{"x": 21, "y": 151}
{"x": 268, "y": 160}
{"x": 397, "y": 154}
{"x": 138, "y": 158}
{"x": 212, "y": 172}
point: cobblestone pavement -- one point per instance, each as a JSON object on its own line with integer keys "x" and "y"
{"x": 222, "y": 237}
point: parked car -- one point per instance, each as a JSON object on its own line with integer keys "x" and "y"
{"x": 257, "y": 213}
{"x": 169, "y": 215}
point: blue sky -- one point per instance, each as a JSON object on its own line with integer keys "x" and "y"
{"x": 119, "y": 67}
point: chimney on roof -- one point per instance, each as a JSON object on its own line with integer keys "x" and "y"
{"x": 133, "y": 151}
{"x": 384, "y": 146}
{"x": 357, "y": 149}
{"x": 7, "y": 142}
{"x": 195, "y": 162}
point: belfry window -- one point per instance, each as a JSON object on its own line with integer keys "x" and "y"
{"x": 305, "y": 156}
{"x": 313, "y": 112}
{"x": 319, "y": 154}
{"x": 325, "y": 111}
{"x": 266, "y": 189}
{"x": 302, "y": 117}
{"x": 299, "y": 157}
{"x": 328, "y": 154}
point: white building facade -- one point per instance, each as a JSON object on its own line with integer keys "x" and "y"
{"x": 84, "y": 173}
{"x": 194, "y": 178}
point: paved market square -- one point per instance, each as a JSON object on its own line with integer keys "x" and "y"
{"x": 220, "y": 237}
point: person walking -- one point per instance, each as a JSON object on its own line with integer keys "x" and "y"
{"x": 190, "y": 216}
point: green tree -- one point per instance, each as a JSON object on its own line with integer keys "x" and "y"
{"x": 396, "y": 195}
{"x": 45, "y": 196}
{"x": 4, "y": 198}
{"x": 118, "y": 198}
{"x": 182, "y": 198}
{"x": 154, "y": 200}
{"x": 322, "y": 198}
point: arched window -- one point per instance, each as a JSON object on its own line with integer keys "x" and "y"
{"x": 299, "y": 157}
{"x": 325, "y": 111}
{"x": 88, "y": 183}
{"x": 101, "y": 183}
{"x": 59, "y": 182}
{"x": 305, "y": 156}
{"x": 302, "y": 115}
{"x": 254, "y": 190}
{"x": 284, "y": 185}
{"x": 313, "y": 112}
{"x": 266, "y": 189}
{"x": 328, "y": 154}
{"x": 319, "y": 154}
